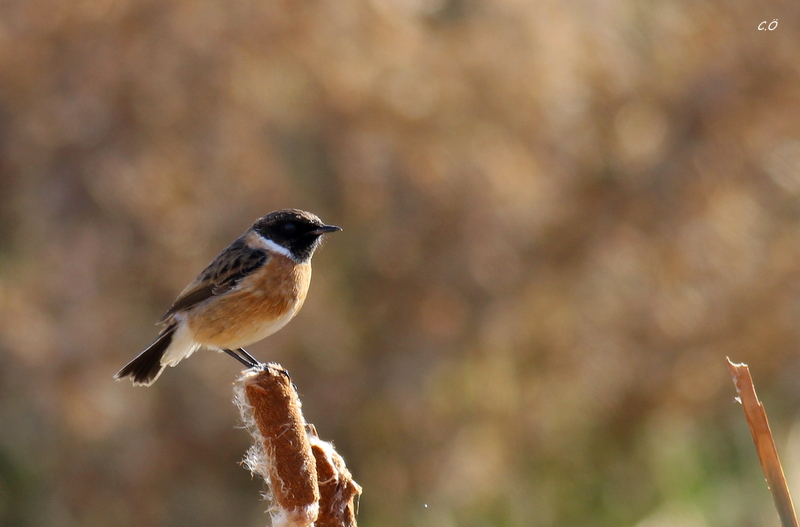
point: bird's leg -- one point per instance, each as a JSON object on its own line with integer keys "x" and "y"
{"x": 249, "y": 363}
{"x": 244, "y": 352}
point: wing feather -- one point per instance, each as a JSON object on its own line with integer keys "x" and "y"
{"x": 224, "y": 273}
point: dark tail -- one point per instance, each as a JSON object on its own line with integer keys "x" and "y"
{"x": 146, "y": 367}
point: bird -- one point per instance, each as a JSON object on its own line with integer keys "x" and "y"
{"x": 253, "y": 288}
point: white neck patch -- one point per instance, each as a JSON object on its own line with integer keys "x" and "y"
{"x": 266, "y": 243}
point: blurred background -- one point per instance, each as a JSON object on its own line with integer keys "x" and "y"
{"x": 559, "y": 219}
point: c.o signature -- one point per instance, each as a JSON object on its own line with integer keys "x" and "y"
{"x": 764, "y": 23}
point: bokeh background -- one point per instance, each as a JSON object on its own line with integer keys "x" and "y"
{"x": 560, "y": 218}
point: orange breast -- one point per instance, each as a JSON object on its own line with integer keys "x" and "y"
{"x": 262, "y": 304}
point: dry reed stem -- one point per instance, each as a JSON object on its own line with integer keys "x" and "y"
{"x": 765, "y": 444}
{"x": 290, "y": 458}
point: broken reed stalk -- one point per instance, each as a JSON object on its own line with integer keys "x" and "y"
{"x": 765, "y": 444}
{"x": 308, "y": 480}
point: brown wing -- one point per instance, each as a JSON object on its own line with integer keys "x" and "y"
{"x": 223, "y": 274}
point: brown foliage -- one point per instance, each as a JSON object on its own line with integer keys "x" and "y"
{"x": 559, "y": 219}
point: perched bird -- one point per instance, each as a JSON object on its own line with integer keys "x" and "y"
{"x": 249, "y": 291}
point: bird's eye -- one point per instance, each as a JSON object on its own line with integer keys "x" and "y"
{"x": 289, "y": 227}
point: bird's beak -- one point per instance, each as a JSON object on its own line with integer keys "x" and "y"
{"x": 326, "y": 229}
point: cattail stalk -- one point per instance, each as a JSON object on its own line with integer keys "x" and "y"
{"x": 308, "y": 481}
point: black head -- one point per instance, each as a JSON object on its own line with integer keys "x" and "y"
{"x": 295, "y": 230}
